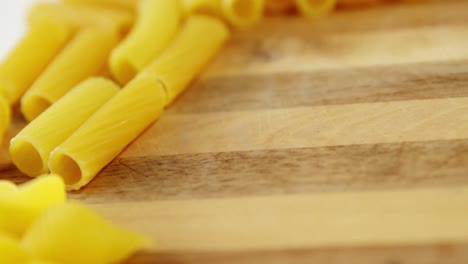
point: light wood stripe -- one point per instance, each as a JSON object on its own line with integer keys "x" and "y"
{"x": 282, "y": 222}
{"x": 408, "y": 254}
{"x": 277, "y": 172}
{"x": 290, "y": 52}
{"x": 337, "y": 86}
{"x": 373, "y": 123}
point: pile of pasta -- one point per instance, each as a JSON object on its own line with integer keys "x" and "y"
{"x": 39, "y": 226}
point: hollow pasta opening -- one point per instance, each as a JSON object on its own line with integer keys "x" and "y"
{"x": 27, "y": 158}
{"x": 34, "y": 105}
{"x": 66, "y": 167}
{"x": 243, "y": 8}
{"x": 243, "y": 12}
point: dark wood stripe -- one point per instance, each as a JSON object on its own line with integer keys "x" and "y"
{"x": 412, "y": 254}
{"x": 276, "y": 172}
{"x": 346, "y": 86}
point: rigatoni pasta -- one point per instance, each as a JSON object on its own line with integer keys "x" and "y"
{"x": 30, "y": 149}
{"x": 71, "y": 233}
{"x": 34, "y": 52}
{"x": 199, "y": 40}
{"x": 238, "y": 13}
{"x": 157, "y": 24}
{"x": 82, "y": 16}
{"x": 27, "y": 203}
{"x": 83, "y": 57}
{"x": 126, "y": 4}
{"x": 106, "y": 133}
{"x": 315, "y": 8}
{"x": 5, "y": 113}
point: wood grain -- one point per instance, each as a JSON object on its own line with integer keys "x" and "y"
{"x": 340, "y": 140}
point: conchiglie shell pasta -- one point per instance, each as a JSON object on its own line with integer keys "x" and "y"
{"x": 71, "y": 233}
{"x": 20, "y": 208}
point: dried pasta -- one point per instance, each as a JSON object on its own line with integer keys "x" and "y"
{"x": 157, "y": 24}
{"x": 82, "y": 16}
{"x": 238, "y": 13}
{"x": 278, "y": 6}
{"x": 11, "y": 251}
{"x": 5, "y": 116}
{"x": 315, "y": 8}
{"x": 106, "y": 133}
{"x": 20, "y": 208}
{"x": 30, "y": 149}
{"x": 71, "y": 233}
{"x": 6, "y": 186}
{"x": 197, "y": 43}
{"x": 34, "y": 52}
{"x": 126, "y": 4}
{"x": 83, "y": 57}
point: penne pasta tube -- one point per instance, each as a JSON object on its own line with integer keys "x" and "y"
{"x": 21, "y": 207}
{"x": 125, "y": 4}
{"x": 238, "y": 13}
{"x": 82, "y": 16}
{"x": 106, "y": 133}
{"x": 83, "y": 57}
{"x": 30, "y": 149}
{"x": 157, "y": 23}
{"x": 199, "y": 41}
{"x": 33, "y": 53}
{"x": 72, "y": 233}
{"x": 315, "y": 8}
{"x": 5, "y": 116}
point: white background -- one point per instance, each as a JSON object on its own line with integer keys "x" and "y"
{"x": 12, "y": 23}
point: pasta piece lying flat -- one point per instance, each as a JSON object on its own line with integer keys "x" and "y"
{"x": 30, "y": 149}
{"x": 238, "y": 13}
{"x": 34, "y": 52}
{"x": 7, "y": 186}
{"x": 82, "y": 16}
{"x": 20, "y": 208}
{"x": 71, "y": 233}
{"x": 126, "y": 4}
{"x": 157, "y": 23}
{"x": 106, "y": 133}
{"x": 5, "y": 116}
{"x": 199, "y": 41}
{"x": 315, "y": 8}
{"x": 83, "y": 57}
{"x": 11, "y": 251}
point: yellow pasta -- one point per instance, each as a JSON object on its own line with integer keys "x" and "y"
{"x": 83, "y": 57}
{"x": 315, "y": 8}
{"x": 20, "y": 208}
{"x": 239, "y": 13}
{"x": 126, "y": 4}
{"x": 106, "y": 133}
{"x": 6, "y": 186}
{"x": 157, "y": 24}
{"x": 71, "y": 233}
{"x": 30, "y": 57}
{"x": 197, "y": 43}
{"x": 31, "y": 148}
{"x": 82, "y": 16}
{"x": 11, "y": 251}
{"x": 5, "y": 116}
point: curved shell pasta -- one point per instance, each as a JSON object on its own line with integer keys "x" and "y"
{"x": 72, "y": 233}
{"x": 19, "y": 208}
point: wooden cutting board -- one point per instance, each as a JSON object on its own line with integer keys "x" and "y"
{"x": 342, "y": 140}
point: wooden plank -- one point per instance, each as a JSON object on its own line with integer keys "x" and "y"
{"x": 281, "y": 172}
{"x": 354, "y": 124}
{"x": 310, "y": 52}
{"x": 415, "y": 254}
{"x": 327, "y": 87}
{"x": 303, "y": 221}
